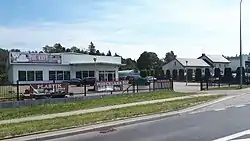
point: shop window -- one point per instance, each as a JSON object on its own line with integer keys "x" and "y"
{"x": 30, "y": 76}
{"x": 59, "y": 75}
{"x": 78, "y": 74}
{"x": 22, "y": 75}
{"x": 52, "y": 75}
{"x": 85, "y": 74}
{"x": 91, "y": 73}
{"x": 66, "y": 75}
{"x": 39, "y": 75}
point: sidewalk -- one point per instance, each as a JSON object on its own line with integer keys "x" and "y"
{"x": 99, "y": 109}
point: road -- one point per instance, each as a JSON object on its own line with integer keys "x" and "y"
{"x": 201, "y": 126}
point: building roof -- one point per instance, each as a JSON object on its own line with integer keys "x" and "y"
{"x": 217, "y": 58}
{"x": 192, "y": 62}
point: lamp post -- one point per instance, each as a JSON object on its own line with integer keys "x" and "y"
{"x": 95, "y": 66}
{"x": 240, "y": 49}
{"x": 186, "y": 73}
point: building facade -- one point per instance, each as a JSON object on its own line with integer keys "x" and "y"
{"x": 235, "y": 62}
{"x": 30, "y": 68}
{"x": 216, "y": 61}
{"x": 180, "y": 64}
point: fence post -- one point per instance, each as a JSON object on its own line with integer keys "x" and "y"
{"x": 207, "y": 84}
{"x": 153, "y": 85}
{"x": 201, "y": 85}
{"x": 133, "y": 86}
{"x": 172, "y": 84}
{"x": 149, "y": 87}
{"x": 17, "y": 90}
{"x": 85, "y": 88}
{"x": 137, "y": 88}
{"x": 219, "y": 81}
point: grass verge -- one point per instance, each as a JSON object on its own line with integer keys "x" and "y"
{"x": 12, "y": 113}
{"x": 232, "y": 88}
{"x": 15, "y": 129}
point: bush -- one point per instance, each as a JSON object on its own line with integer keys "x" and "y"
{"x": 228, "y": 75}
{"x": 207, "y": 74}
{"x": 198, "y": 75}
{"x": 181, "y": 75}
{"x": 174, "y": 74}
{"x": 238, "y": 75}
{"x": 168, "y": 74}
{"x": 217, "y": 72}
{"x": 190, "y": 74}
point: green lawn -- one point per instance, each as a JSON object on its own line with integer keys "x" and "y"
{"x": 86, "y": 104}
{"x": 91, "y": 118}
{"x": 232, "y": 88}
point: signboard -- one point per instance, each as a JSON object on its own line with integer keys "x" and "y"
{"x": 110, "y": 85}
{"x": 49, "y": 87}
{"x": 25, "y": 57}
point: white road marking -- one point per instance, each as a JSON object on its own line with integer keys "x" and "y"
{"x": 238, "y": 106}
{"x": 233, "y": 136}
{"x": 221, "y": 109}
{"x": 241, "y": 140}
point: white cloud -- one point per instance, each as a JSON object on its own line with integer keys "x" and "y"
{"x": 210, "y": 26}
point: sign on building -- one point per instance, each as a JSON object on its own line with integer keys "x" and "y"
{"x": 25, "y": 57}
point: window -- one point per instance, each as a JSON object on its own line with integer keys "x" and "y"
{"x": 85, "y": 74}
{"x": 219, "y": 65}
{"x": 22, "y": 75}
{"x": 52, "y": 75}
{"x": 78, "y": 74}
{"x": 30, "y": 76}
{"x": 59, "y": 75}
{"x": 174, "y": 63}
{"x": 91, "y": 73}
{"x": 66, "y": 75}
{"x": 39, "y": 75}
{"x": 101, "y": 76}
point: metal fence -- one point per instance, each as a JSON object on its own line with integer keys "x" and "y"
{"x": 212, "y": 83}
{"x": 17, "y": 92}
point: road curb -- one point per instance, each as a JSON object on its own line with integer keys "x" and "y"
{"x": 41, "y": 136}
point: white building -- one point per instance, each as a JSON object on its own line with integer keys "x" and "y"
{"x": 186, "y": 63}
{"x": 235, "y": 62}
{"x": 41, "y": 67}
{"x": 216, "y": 61}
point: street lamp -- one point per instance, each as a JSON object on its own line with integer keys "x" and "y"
{"x": 186, "y": 73}
{"x": 95, "y": 66}
{"x": 240, "y": 49}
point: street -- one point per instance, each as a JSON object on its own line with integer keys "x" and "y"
{"x": 201, "y": 126}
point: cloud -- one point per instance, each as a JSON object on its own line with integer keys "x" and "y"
{"x": 129, "y": 28}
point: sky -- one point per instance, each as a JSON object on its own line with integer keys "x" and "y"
{"x": 127, "y": 27}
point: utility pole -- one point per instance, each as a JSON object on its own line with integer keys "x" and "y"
{"x": 241, "y": 76}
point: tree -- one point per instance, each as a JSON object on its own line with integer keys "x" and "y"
{"x": 116, "y": 55}
{"x": 169, "y": 57}
{"x": 198, "y": 75}
{"x": 129, "y": 64}
{"x": 15, "y": 50}
{"x": 238, "y": 75}
{"x": 168, "y": 74}
{"x": 207, "y": 74}
{"x": 148, "y": 60}
{"x": 97, "y": 53}
{"x": 143, "y": 73}
{"x": 217, "y": 72}
{"x": 3, "y": 60}
{"x": 92, "y": 50}
{"x": 109, "y": 53}
{"x": 57, "y": 48}
{"x": 74, "y": 49}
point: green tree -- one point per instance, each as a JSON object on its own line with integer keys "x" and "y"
{"x": 169, "y": 56}
{"x": 75, "y": 49}
{"x": 109, "y": 53}
{"x": 97, "y": 53}
{"x": 129, "y": 64}
{"x": 148, "y": 60}
{"x": 143, "y": 73}
{"x": 92, "y": 50}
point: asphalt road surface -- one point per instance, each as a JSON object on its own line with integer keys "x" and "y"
{"x": 202, "y": 126}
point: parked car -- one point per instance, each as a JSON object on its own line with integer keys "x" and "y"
{"x": 151, "y": 79}
{"x": 75, "y": 81}
{"x": 89, "y": 81}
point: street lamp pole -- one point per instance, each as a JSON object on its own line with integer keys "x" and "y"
{"x": 186, "y": 73}
{"x": 241, "y": 79}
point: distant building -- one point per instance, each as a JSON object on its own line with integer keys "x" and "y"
{"x": 235, "y": 62}
{"x": 45, "y": 67}
{"x": 180, "y": 64}
{"x": 216, "y": 61}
